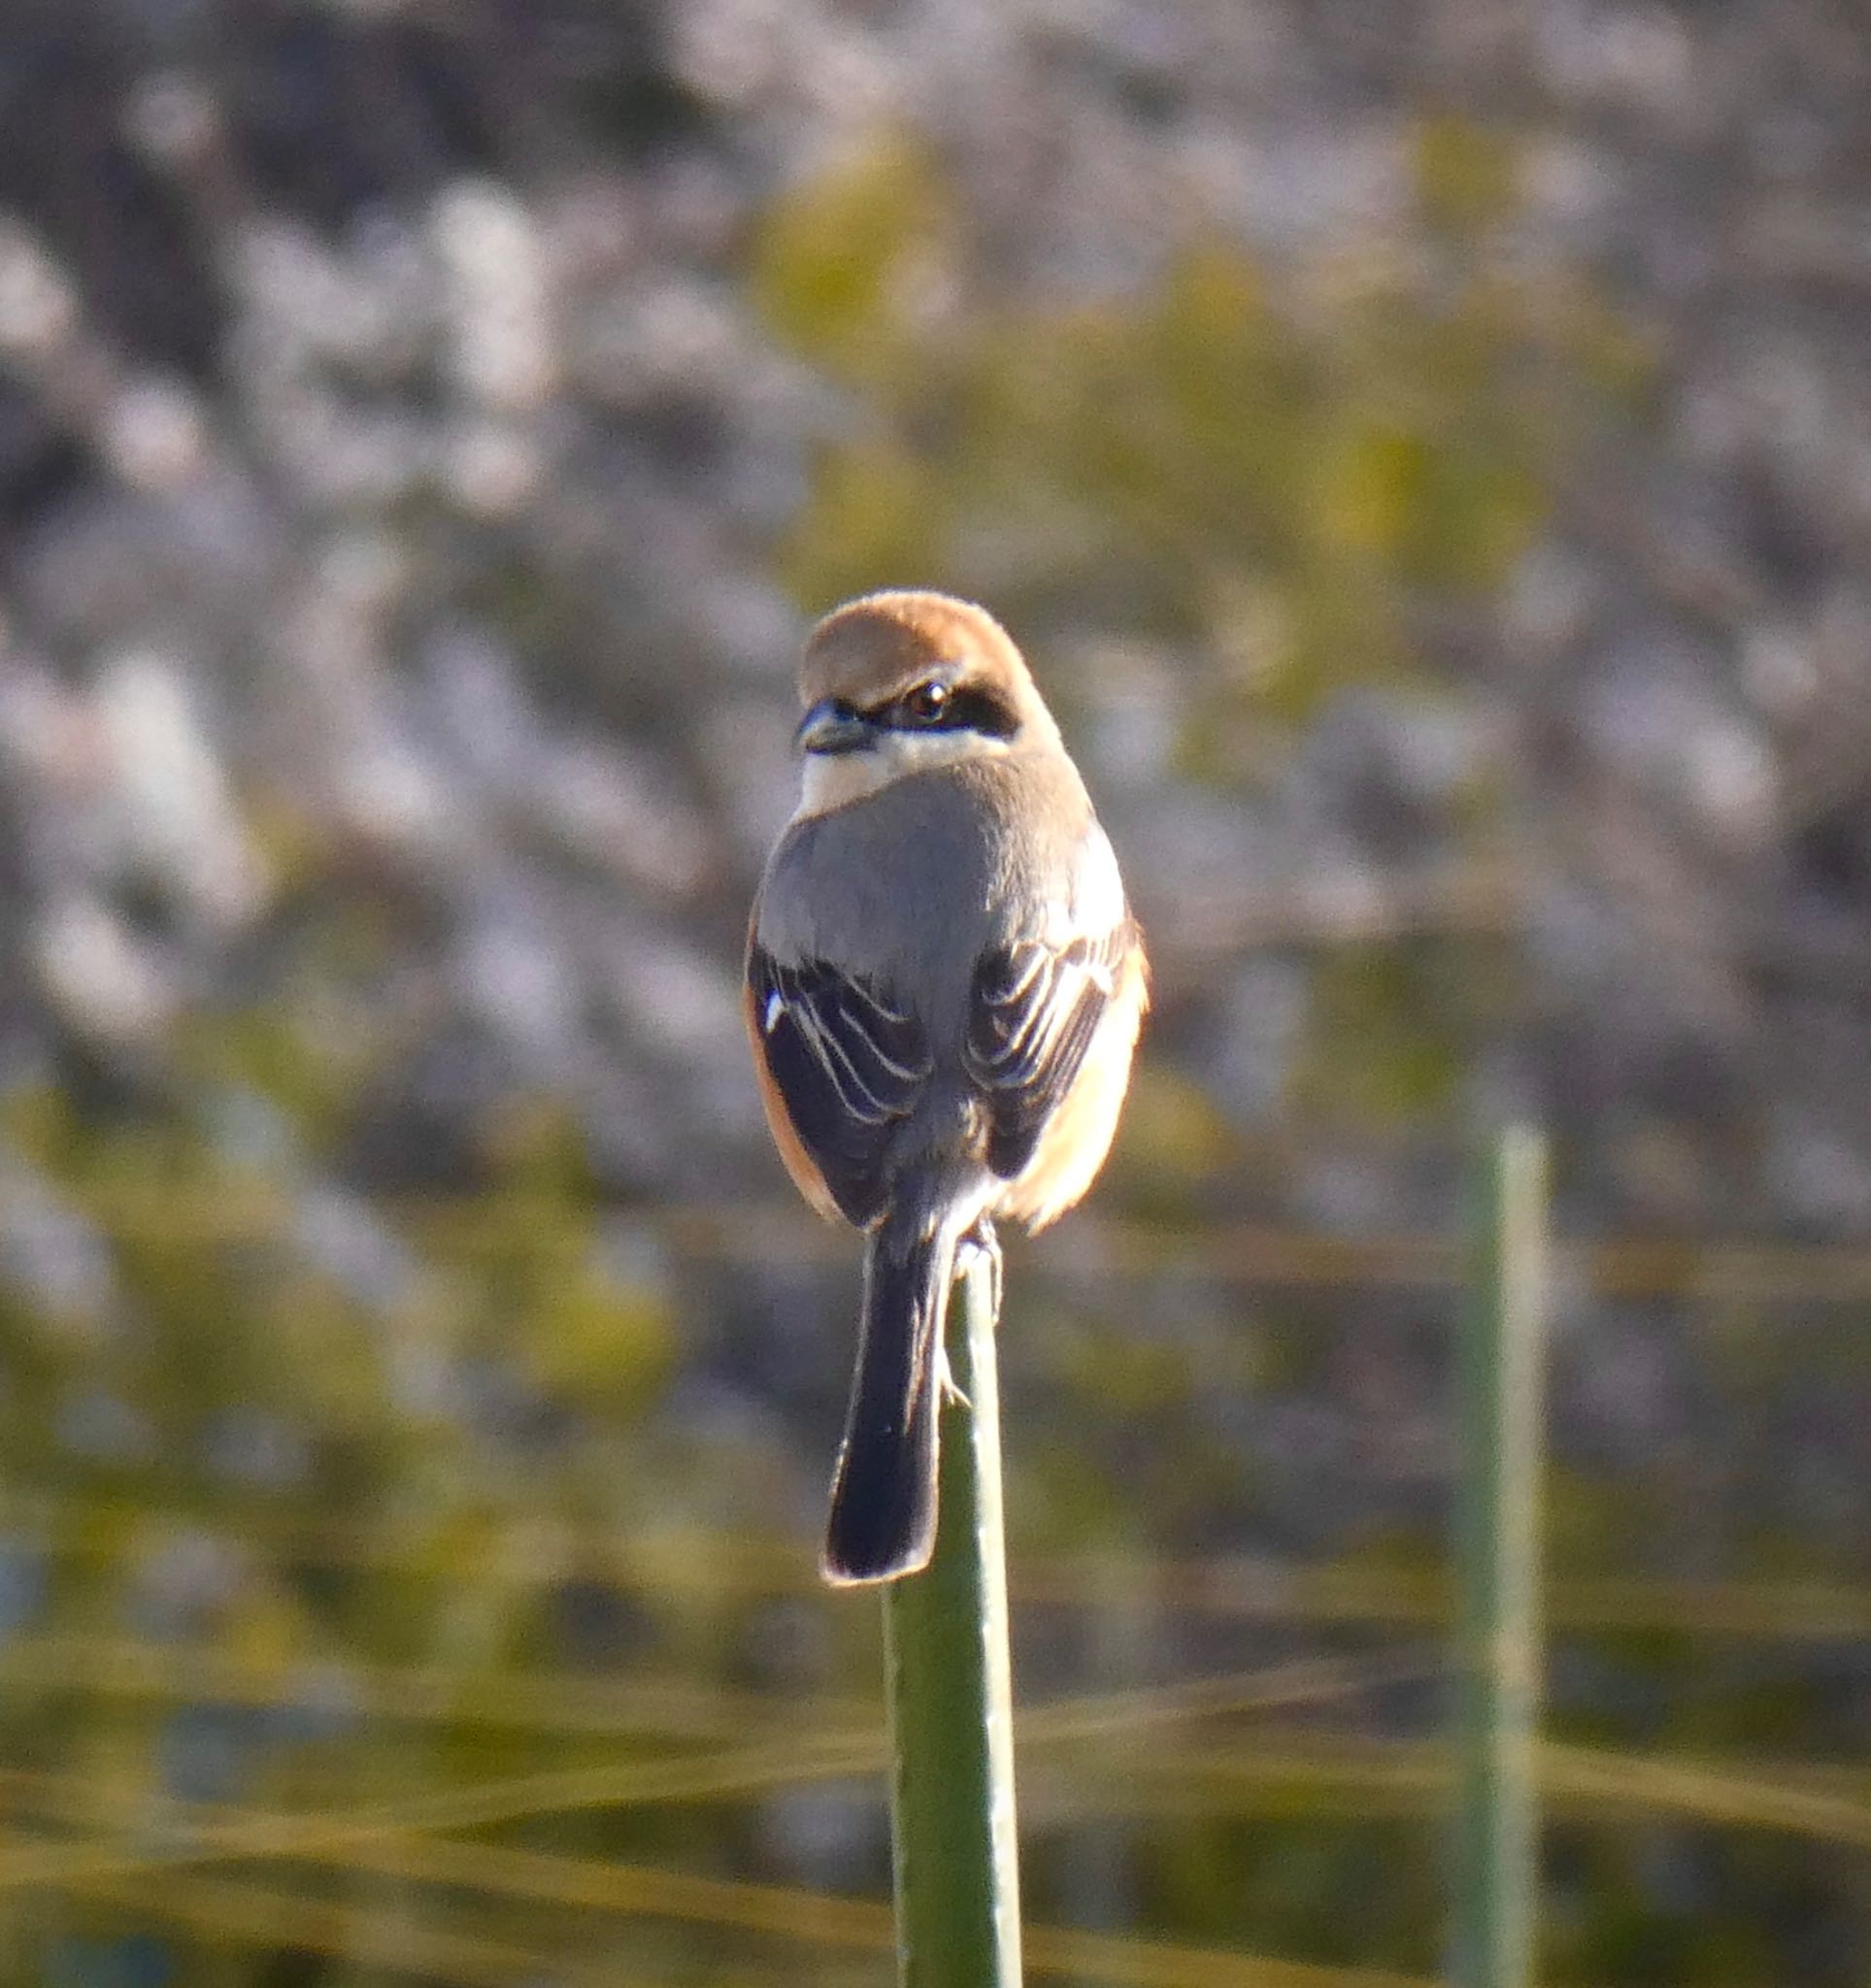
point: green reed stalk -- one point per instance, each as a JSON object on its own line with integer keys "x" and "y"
{"x": 1502, "y": 1365}
{"x": 949, "y": 1682}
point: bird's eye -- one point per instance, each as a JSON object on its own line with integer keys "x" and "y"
{"x": 927, "y": 704}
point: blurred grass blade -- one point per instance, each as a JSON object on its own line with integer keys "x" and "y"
{"x": 949, "y": 1682}
{"x": 1498, "y": 1571}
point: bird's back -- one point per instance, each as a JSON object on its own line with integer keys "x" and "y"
{"x": 971, "y": 875}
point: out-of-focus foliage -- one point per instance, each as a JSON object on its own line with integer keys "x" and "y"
{"x": 1269, "y": 481}
{"x": 1424, "y": 455}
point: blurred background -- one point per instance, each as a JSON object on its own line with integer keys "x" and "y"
{"x": 1426, "y": 454}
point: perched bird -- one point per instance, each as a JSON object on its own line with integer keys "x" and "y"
{"x": 944, "y": 988}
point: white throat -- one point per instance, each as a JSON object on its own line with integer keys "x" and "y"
{"x": 835, "y": 779}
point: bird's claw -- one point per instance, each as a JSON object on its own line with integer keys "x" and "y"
{"x": 947, "y": 1392}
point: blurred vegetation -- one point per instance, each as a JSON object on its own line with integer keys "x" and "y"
{"x": 1285, "y": 487}
{"x": 403, "y": 1556}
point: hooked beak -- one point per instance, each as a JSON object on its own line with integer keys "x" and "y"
{"x": 832, "y": 726}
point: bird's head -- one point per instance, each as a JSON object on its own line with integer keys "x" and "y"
{"x": 900, "y": 682}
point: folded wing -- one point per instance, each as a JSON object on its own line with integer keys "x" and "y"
{"x": 1034, "y": 1011}
{"x": 848, "y": 1064}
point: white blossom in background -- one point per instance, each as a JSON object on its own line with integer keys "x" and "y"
{"x": 499, "y": 317}
{"x": 153, "y": 433}
{"x": 107, "y": 984}
{"x": 490, "y": 469}
{"x": 38, "y": 308}
{"x": 179, "y": 814}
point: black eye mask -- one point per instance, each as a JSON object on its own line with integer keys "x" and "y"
{"x": 965, "y": 707}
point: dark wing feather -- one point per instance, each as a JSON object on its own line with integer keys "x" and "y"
{"x": 1034, "y": 1011}
{"x": 848, "y": 1064}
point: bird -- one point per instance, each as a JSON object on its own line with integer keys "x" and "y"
{"x": 944, "y": 989}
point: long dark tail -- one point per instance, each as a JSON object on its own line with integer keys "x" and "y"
{"x": 884, "y": 1491}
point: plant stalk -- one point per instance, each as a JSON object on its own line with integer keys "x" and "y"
{"x": 1502, "y": 1364}
{"x": 949, "y": 1684}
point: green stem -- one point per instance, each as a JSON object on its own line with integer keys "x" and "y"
{"x": 949, "y": 1681}
{"x": 1498, "y": 1569}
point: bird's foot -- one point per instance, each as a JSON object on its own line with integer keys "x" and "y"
{"x": 981, "y": 1244}
{"x": 947, "y": 1392}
